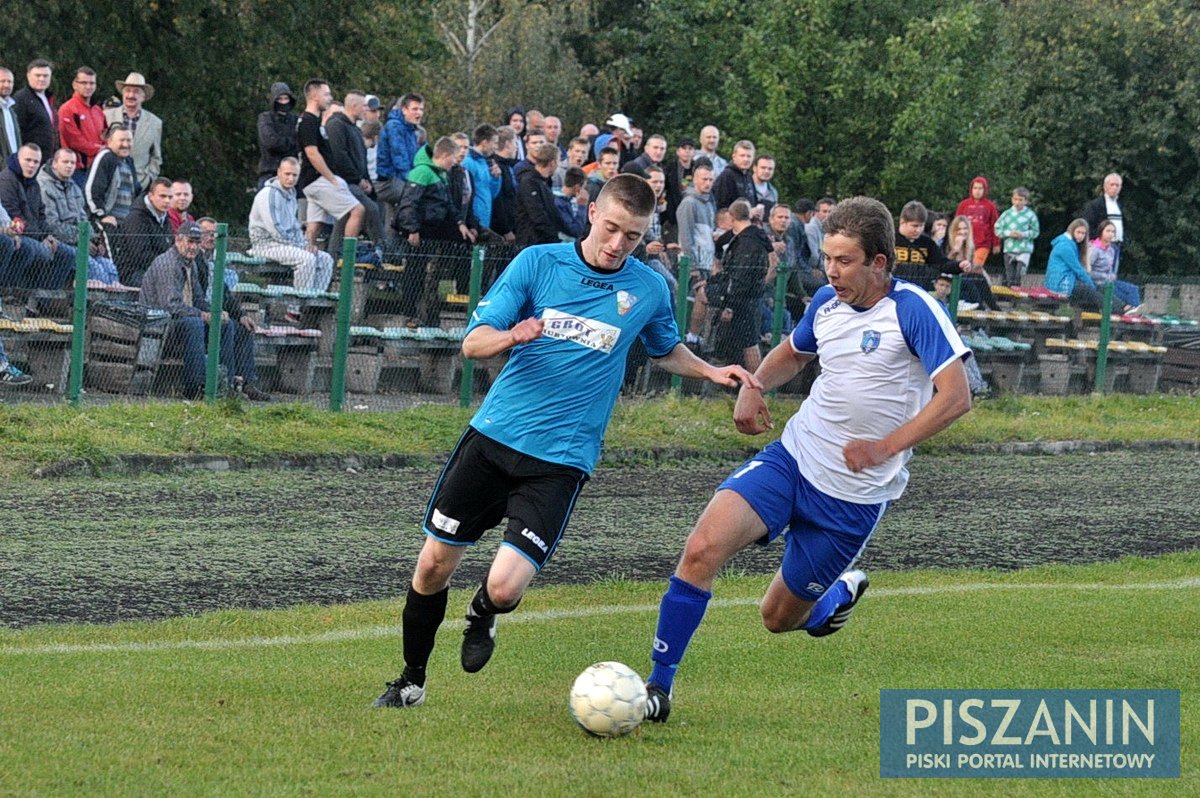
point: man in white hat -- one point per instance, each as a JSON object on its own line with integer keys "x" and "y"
{"x": 145, "y": 127}
{"x": 617, "y": 130}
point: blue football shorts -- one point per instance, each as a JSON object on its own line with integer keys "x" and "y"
{"x": 824, "y": 535}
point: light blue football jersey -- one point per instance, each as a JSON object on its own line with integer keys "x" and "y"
{"x": 554, "y": 397}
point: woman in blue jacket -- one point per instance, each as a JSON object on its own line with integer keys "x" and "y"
{"x": 1066, "y": 273}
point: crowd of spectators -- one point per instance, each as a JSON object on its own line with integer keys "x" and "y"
{"x": 331, "y": 169}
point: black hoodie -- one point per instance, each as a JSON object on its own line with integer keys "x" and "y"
{"x": 277, "y": 131}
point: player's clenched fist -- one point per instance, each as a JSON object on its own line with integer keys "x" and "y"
{"x": 527, "y": 330}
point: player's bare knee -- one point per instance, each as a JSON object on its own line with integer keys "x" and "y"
{"x": 704, "y": 553}
{"x": 778, "y": 620}
{"x": 504, "y": 594}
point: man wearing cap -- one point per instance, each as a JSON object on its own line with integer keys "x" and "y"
{"x": 35, "y": 109}
{"x": 371, "y": 113}
{"x": 678, "y": 174}
{"x": 175, "y": 284}
{"x": 145, "y": 127}
{"x": 277, "y": 132}
{"x": 81, "y": 122}
{"x": 617, "y": 130}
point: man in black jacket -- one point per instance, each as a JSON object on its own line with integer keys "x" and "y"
{"x": 427, "y": 213}
{"x": 537, "y": 218}
{"x": 144, "y": 234}
{"x": 349, "y": 159}
{"x": 277, "y": 132}
{"x": 35, "y": 109}
{"x": 44, "y": 261}
{"x": 747, "y": 268}
{"x": 1108, "y": 206}
{"x": 736, "y": 180}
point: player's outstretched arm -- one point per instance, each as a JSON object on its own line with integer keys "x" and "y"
{"x": 951, "y": 400}
{"x": 751, "y": 415}
{"x": 683, "y": 362}
{"x": 484, "y": 341}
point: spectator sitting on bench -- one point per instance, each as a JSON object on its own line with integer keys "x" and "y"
{"x": 941, "y": 292}
{"x": 208, "y": 254}
{"x": 65, "y": 209}
{"x": 275, "y": 232}
{"x": 144, "y": 234}
{"x": 175, "y": 284}
{"x": 1102, "y": 263}
{"x": 41, "y": 261}
{"x": 1066, "y": 272}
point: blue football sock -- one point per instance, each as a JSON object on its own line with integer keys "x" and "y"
{"x": 679, "y": 617}
{"x": 827, "y": 605}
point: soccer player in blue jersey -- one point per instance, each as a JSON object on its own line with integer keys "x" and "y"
{"x": 884, "y": 346}
{"x": 568, "y": 313}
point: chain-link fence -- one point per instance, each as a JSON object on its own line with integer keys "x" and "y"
{"x": 120, "y": 315}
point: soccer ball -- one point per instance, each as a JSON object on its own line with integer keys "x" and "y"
{"x": 608, "y": 700}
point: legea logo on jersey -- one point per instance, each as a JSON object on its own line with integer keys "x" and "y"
{"x": 870, "y": 341}
{"x": 577, "y": 329}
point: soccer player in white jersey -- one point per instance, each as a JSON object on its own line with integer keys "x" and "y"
{"x": 884, "y": 345}
{"x": 569, "y": 314}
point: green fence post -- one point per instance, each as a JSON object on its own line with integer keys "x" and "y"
{"x": 215, "y": 310}
{"x": 75, "y": 378}
{"x": 466, "y": 388}
{"x": 781, "y": 281}
{"x": 341, "y": 342}
{"x": 1105, "y": 331}
{"x": 955, "y": 293}
{"x": 682, "y": 316}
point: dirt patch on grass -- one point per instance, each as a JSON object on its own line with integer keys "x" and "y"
{"x": 102, "y": 550}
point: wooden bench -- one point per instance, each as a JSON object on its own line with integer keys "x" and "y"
{"x": 43, "y": 348}
{"x": 1070, "y": 366}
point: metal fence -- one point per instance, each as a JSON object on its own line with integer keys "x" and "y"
{"x": 383, "y": 330}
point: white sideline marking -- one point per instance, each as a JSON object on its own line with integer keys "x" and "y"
{"x": 393, "y": 630}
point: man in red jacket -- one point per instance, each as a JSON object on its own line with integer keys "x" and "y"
{"x": 983, "y": 214}
{"x": 81, "y": 122}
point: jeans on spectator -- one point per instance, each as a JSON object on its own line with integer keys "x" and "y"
{"x": 189, "y": 336}
{"x": 102, "y": 269}
{"x": 34, "y": 266}
{"x": 311, "y": 269}
{"x": 1127, "y": 293}
{"x": 12, "y": 268}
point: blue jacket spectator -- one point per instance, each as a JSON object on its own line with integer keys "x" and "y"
{"x": 1066, "y": 274}
{"x": 485, "y": 184}
{"x": 398, "y": 145}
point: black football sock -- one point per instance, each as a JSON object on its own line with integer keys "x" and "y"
{"x": 422, "y": 617}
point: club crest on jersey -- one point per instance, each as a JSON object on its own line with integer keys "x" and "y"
{"x": 870, "y": 341}
{"x": 625, "y": 301}
{"x": 580, "y": 330}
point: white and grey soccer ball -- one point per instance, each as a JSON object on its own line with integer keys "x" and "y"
{"x": 608, "y": 699}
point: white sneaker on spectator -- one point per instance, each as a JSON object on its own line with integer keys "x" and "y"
{"x": 968, "y": 305}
